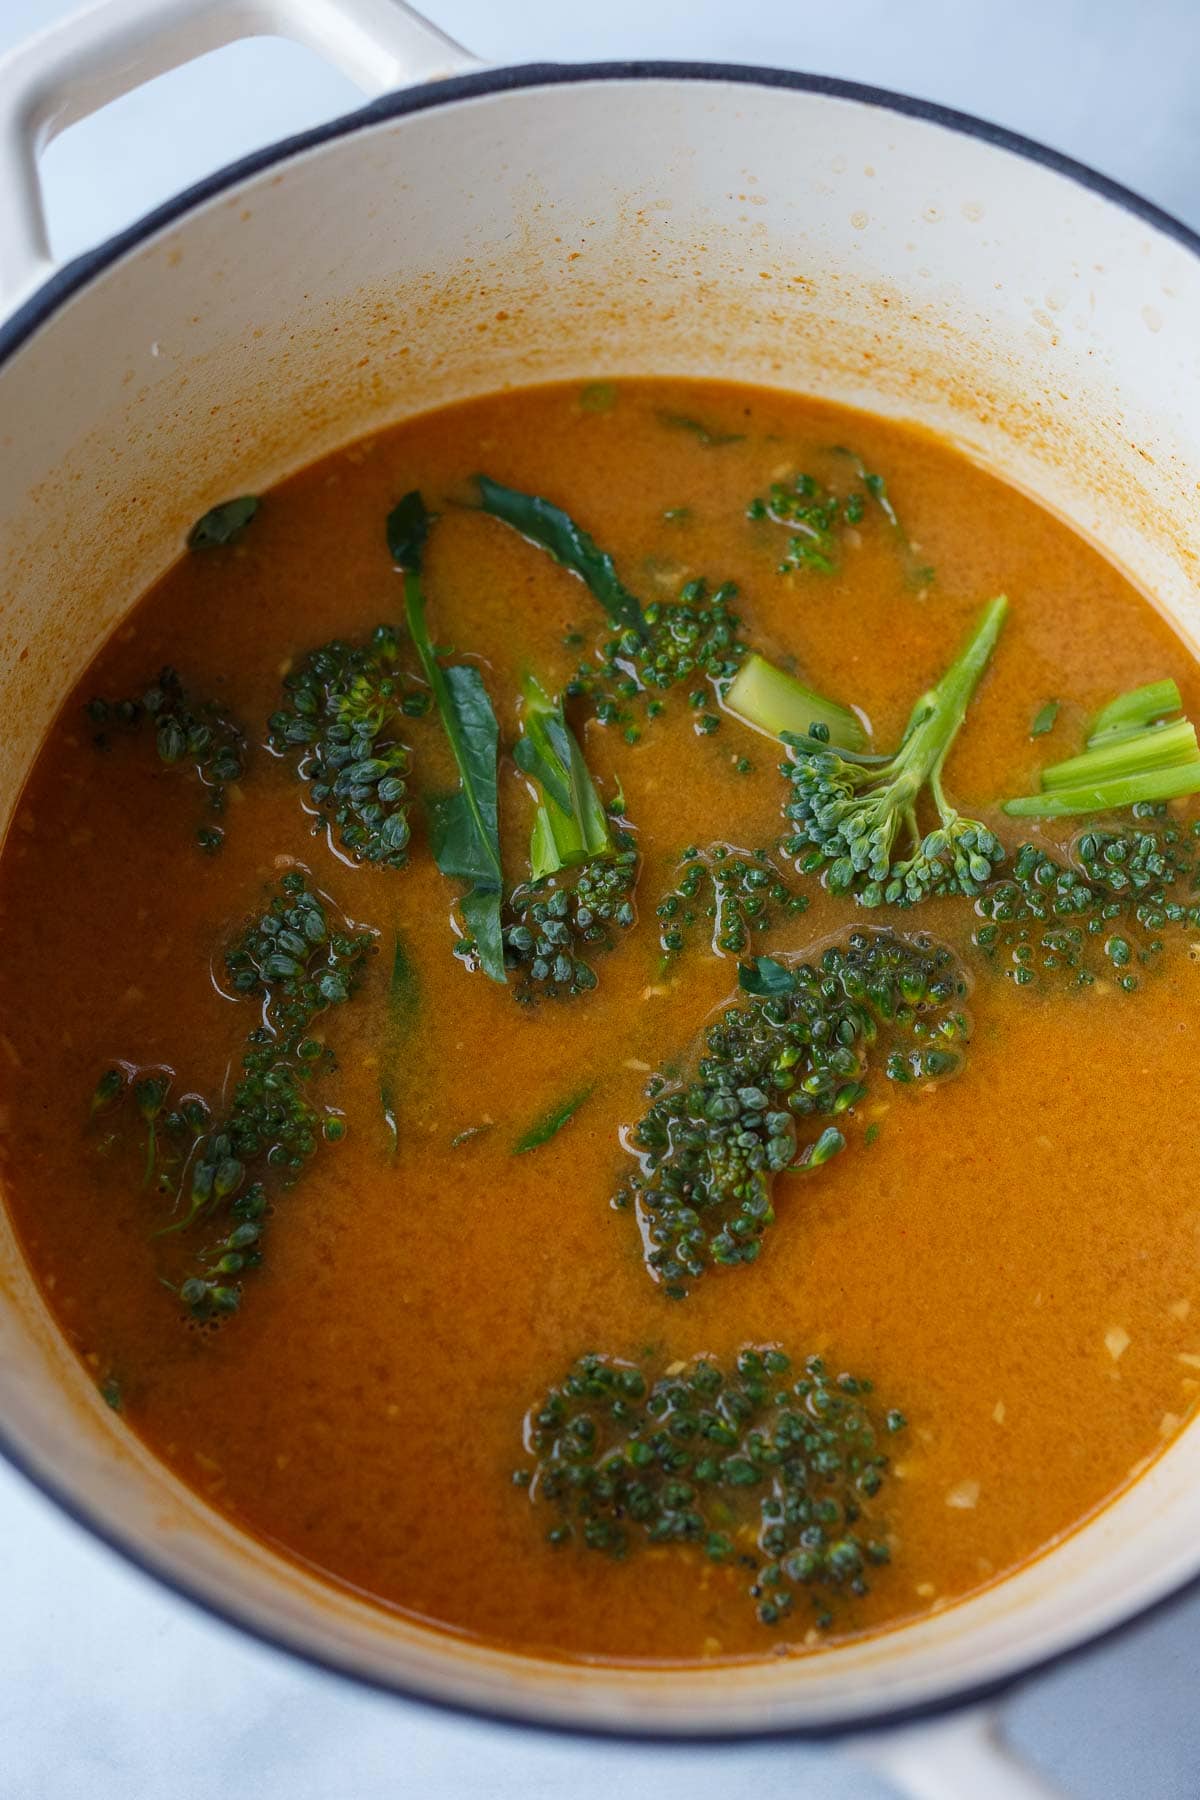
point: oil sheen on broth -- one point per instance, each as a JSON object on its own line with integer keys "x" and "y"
{"x": 1008, "y": 1254}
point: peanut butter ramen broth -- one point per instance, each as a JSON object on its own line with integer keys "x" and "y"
{"x": 596, "y": 996}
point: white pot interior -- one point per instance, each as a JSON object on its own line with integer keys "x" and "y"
{"x": 623, "y": 226}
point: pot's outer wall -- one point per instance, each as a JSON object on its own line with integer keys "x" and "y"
{"x": 511, "y": 229}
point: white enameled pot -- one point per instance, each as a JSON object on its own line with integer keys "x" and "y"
{"x": 495, "y": 228}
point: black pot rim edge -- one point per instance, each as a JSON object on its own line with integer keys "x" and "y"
{"x": 70, "y": 280}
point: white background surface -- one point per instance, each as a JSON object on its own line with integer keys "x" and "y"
{"x": 113, "y": 1690}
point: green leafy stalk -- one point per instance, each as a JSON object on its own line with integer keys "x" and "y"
{"x": 571, "y": 825}
{"x": 1135, "y": 755}
{"x": 464, "y": 826}
{"x": 773, "y": 701}
{"x": 852, "y": 812}
{"x": 552, "y": 1123}
{"x": 554, "y": 531}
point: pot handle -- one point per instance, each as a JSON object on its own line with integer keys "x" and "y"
{"x": 949, "y": 1758}
{"x": 79, "y": 65}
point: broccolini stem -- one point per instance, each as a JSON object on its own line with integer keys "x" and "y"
{"x": 1137, "y": 709}
{"x": 775, "y": 702}
{"x": 937, "y": 717}
{"x": 1134, "y": 755}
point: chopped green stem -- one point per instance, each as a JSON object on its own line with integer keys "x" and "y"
{"x": 1131, "y": 752}
{"x": 1134, "y": 756}
{"x": 570, "y": 826}
{"x": 773, "y": 701}
{"x": 1136, "y": 709}
{"x": 1112, "y": 796}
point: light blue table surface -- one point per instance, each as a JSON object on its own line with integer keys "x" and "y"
{"x": 113, "y": 1690}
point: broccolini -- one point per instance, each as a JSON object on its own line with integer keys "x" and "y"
{"x": 854, "y": 816}
{"x": 734, "y": 894}
{"x": 1100, "y": 914}
{"x": 1137, "y": 752}
{"x": 346, "y": 721}
{"x": 771, "y": 1469}
{"x": 226, "y": 1168}
{"x": 202, "y": 734}
{"x": 796, "y": 1052}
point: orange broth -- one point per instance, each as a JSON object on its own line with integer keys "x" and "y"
{"x": 1012, "y": 1258}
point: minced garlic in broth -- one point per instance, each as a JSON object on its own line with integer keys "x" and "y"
{"x": 1010, "y": 1257}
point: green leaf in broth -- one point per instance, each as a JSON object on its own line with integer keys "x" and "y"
{"x": 765, "y": 976}
{"x": 221, "y": 524}
{"x": 555, "y": 532}
{"x": 553, "y": 1122}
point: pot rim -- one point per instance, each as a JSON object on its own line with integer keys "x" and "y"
{"x": 71, "y": 279}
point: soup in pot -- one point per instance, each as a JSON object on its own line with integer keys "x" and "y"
{"x": 595, "y": 1004}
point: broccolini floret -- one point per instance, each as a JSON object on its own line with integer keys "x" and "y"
{"x": 1100, "y": 914}
{"x": 346, "y": 720}
{"x": 818, "y": 515}
{"x": 226, "y": 1167}
{"x": 796, "y": 1052}
{"x": 768, "y": 1468}
{"x": 729, "y": 895}
{"x": 187, "y": 732}
{"x": 554, "y": 928}
{"x": 855, "y": 817}
{"x": 690, "y": 642}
